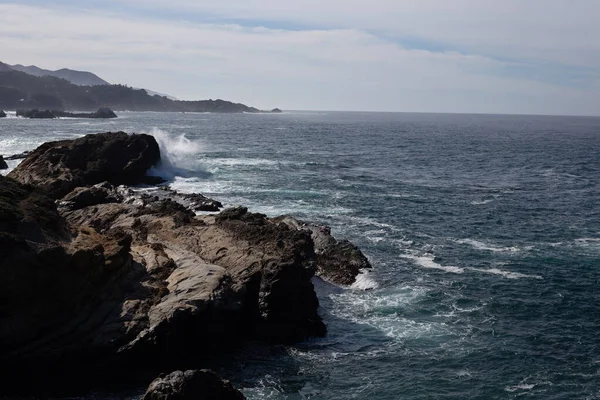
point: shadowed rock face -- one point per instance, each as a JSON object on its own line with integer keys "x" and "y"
{"x": 3, "y": 164}
{"x": 115, "y": 157}
{"x": 191, "y": 385}
{"x": 2, "y": 114}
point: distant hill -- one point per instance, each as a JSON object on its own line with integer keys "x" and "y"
{"x": 81, "y": 78}
{"x": 153, "y": 93}
{"x": 19, "y": 90}
{"x": 4, "y": 67}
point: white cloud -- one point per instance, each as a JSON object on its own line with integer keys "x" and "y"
{"x": 343, "y": 68}
{"x": 557, "y": 30}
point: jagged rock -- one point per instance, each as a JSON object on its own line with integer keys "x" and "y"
{"x": 116, "y": 285}
{"x": 139, "y": 287}
{"x": 276, "y": 110}
{"x": 116, "y": 157}
{"x": 104, "y": 112}
{"x": 2, "y": 114}
{"x": 338, "y": 262}
{"x": 232, "y": 213}
{"x": 90, "y": 196}
{"x": 17, "y": 156}
{"x": 191, "y": 385}
{"x": 3, "y": 164}
{"x": 193, "y": 201}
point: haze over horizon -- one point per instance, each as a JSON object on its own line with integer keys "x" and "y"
{"x": 485, "y": 56}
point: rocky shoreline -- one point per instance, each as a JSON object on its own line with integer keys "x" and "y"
{"x": 104, "y": 286}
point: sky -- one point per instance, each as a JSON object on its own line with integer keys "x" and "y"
{"x": 466, "y": 56}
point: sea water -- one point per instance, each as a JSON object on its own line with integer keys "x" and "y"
{"x": 483, "y": 232}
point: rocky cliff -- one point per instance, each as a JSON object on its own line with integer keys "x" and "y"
{"x": 104, "y": 285}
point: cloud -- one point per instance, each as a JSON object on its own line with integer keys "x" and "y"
{"x": 337, "y": 61}
{"x": 557, "y": 30}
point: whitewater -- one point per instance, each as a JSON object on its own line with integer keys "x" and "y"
{"x": 483, "y": 231}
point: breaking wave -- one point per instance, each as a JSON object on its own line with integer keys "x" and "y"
{"x": 178, "y": 155}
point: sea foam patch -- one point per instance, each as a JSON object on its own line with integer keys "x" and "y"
{"x": 365, "y": 281}
{"x": 428, "y": 261}
{"x": 178, "y": 154}
{"x": 479, "y": 245}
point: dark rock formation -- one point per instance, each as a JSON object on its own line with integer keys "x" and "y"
{"x": 104, "y": 192}
{"x": 2, "y": 114}
{"x": 191, "y": 385}
{"x": 90, "y": 196}
{"x": 193, "y": 201}
{"x": 3, "y": 164}
{"x": 118, "y": 286}
{"x": 109, "y": 286}
{"x": 276, "y": 110}
{"x": 338, "y": 262}
{"x": 115, "y": 157}
{"x": 102, "y": 112}
{"x": 36, "y": 114}
{"x": 17, "y": 156}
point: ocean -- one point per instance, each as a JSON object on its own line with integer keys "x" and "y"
{"x": 483, "y": 232}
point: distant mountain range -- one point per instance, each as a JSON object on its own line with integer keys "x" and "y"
{"x": 33, "y": 87}
{"x": 81, "y": 78}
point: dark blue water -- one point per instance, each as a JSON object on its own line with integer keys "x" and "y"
{"x": 484, "y": 234}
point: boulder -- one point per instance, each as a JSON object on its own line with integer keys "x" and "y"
{"x": 2, "y": 114}
{"x": 191, "y": 385}
{"x": 3, "y": 164}
{"x": 338, "y": 262}
{"x": 115, "y": 157}
{"x": 276, "y": 110}
{"x": 90, "y": 196}
{"x": 104, "y": 112}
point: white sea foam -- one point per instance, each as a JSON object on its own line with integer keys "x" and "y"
{"x": 481, "y": 202}
{"x": 365, "y": 281}
{"x": 372, "y": 222}
{"x": 588, "y": 242}
{"x": 383, "y": 311}
{"x": 505, "y": 274}
{"x": 236, "y": 162}
{"x": 521, "y": 386}
{"x": 485, "y": 246}
{"x": 178, "y": 154}
{"x": 427, "y": 261}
